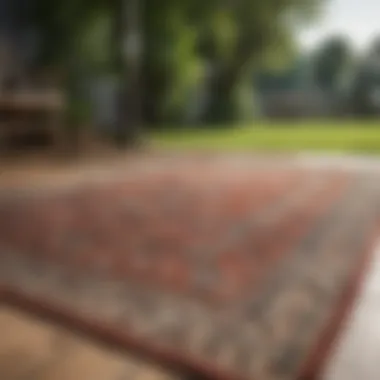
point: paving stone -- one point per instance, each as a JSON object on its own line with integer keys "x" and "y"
{"x": 26, "y": 345}
{"x": 37, "y": 350}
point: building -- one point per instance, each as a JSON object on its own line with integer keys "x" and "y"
{"x": 291, "y": 93}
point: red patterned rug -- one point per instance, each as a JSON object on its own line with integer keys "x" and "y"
{"x": 230, "y": 274}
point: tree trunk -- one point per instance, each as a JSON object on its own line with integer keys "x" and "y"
{"x": 128, "y": 63}
{"x": 222, "y": 104}
{"x": 155, "y": 85}
{"x": 156, "y": 71}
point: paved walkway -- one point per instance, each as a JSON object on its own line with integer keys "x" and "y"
{"x": 357, "y": 354}
{"x": 31, "y": 349}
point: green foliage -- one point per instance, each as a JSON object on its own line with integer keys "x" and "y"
{"x": 172, "y": 67}
{"x": 61, "y": 23}
{"x": 186, "y": 71}
{"x": 94, "y": 43}
{"x": 262, "y": 32}
{"x": 181, "y": 39}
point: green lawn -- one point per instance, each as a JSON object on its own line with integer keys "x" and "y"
{"x": 355, "y": 137}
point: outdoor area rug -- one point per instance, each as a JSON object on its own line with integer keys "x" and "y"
{"x": 225, "y": 272}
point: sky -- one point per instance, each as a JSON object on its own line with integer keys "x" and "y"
{"x": 357, "y": 19}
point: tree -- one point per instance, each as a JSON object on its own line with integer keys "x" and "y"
{"x": 257, "y": 26}
{"x": 365, "y": 91}
{"x": 70, "y": 42}
{"x": 223, "y": 39}
{"x": 331, "y": 62}
{"x": 128, "y": 51}
{"x": 172, "y": 67}
{"x": 183, "y": 41}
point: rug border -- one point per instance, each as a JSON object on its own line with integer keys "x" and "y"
{"x": 310, "y": 370}
{"x": 111, "y": 337}
{"x": 318, "y": 358}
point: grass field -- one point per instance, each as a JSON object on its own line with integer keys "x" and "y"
{"x": 329, "y": 136}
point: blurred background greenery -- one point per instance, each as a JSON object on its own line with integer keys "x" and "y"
{"x": 131, "y": 68}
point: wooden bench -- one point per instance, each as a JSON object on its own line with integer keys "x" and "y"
{"x": 23, "y": 113}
